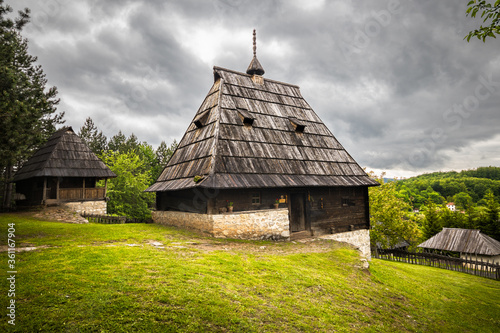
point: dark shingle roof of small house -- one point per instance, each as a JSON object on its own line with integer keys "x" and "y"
{"x": 64, "y": 155}
{"x": 464, "y": 241}
{"x": 252, "y": 132}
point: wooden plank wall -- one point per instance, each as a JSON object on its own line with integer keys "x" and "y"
{"x": 325, "y": 209}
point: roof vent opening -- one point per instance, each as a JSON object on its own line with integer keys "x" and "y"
{"x": 298, "y": 125}
{"x": 201, "y": 120}
{"x": 246, "y": 117}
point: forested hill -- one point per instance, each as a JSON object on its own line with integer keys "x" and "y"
{"x": 459, "y": 187}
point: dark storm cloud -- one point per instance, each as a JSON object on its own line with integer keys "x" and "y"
{"x": 393, "y": 80}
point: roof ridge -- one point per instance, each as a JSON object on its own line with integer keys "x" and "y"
{"x": 248, "y": 75}
{"x": 211, "y": 172}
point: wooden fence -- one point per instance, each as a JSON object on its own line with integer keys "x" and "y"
{"x": 466, "y": 265}
{"x": 108, "y": 219}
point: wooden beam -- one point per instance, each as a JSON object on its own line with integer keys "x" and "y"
{"x": 57, "y": 189}
{"x": 44, "y": 192}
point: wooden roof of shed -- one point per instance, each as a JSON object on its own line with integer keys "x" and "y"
{"x": 64, "y": 155}
{"x": 464, "y": 241}
{"x": 271, "y": 152}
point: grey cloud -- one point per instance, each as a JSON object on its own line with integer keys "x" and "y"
{"x": 385, "y": 97}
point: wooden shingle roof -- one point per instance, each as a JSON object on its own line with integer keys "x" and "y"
{"x": 64, "y": 155}
{"x": 252, "y": 132}
{"x": 464, "y": 241}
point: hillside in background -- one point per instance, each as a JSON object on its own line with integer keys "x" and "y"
{"x": 442, "y": 187}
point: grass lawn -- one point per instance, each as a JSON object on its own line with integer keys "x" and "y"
{"x": 118, "y": 278}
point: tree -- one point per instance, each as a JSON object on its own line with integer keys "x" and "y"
{"x": 488, "y": 12}
{"x": 27, "y": 110}
{"x": 94, "y": 138}
{"x": 163, "y": 155}
{"x": 391, "y": 222}
{"x": 126, "y": 191}
{"x": 117, "y": 142}
{"x": 489, "y": 222}
{"x": 431, "y": 225}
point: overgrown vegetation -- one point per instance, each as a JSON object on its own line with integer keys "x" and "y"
{"x": 111, "y": 278}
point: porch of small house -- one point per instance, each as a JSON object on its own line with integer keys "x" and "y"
{"x": 60, "y": 190}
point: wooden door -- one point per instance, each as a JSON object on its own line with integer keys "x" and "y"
{"x": 297, "y": 212}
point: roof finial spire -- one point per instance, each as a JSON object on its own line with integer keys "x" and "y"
{"x": 255, "y": 68}
{"x": 254, "y": 43}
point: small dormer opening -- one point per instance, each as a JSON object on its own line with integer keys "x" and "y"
{"x": 201, "y": 120}
{"x": 298, "y": 125}
{"x": 246, "y": 117}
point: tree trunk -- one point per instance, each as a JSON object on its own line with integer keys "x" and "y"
{"x": 7, "y": 198}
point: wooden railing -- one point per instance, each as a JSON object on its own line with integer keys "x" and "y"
{"x": 68, "y": 194}
{"x": 466, "y": 265}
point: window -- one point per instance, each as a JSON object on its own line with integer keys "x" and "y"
{"x": 201, "y": 120}
{"x": 298, "y": 125}
{"x": 347, "y": 202}
{"x": 255, "y": 198}
{"x": 246, "y": 117}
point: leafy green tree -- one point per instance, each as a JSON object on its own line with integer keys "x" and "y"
{"x": 94, "y": 138}
{"x": 463, "y": 201}
{"x": 489, "y": 12}
{"x": 391, "y": 222}
{"x": 126, "y": 191}
{"x": 27, "y": 109}
{"x": 431, "y": 225}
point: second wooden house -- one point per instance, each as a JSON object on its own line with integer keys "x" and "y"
{"x": 64, "y": 172}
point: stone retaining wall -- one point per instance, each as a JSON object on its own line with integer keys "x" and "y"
{"x": 261, "y": 224}
{"x": 258, "y": 224}
{"x": 91, "y": 207}
{"x": 195, "y": 221}
{"x": 358, "y": 238}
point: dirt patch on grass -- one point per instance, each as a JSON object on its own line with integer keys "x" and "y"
{"x": 312, "y": 245}
{"x": 5, "y": 248}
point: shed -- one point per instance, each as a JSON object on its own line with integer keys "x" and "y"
{"x": 256, "y": 147}
{"x": 466, "y": 242}
{"x": 64, "y": 170}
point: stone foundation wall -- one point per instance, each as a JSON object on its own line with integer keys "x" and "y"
{"x": 262, "y": 224}
{"x": 259, "y": 224}
{"x": 358, "y": 238}
{"x": 91, "y": 207}
{"x": 196, "y": 221}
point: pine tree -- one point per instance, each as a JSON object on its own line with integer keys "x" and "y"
{"x": 27, "y": 110}
{"x": 94, "y": 138}
{"x": 431, "y": 225}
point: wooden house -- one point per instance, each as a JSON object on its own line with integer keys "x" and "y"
{"x": 64, "y": 170}
{"x": 256, "y": 148}
{"x": 465, "y": 242}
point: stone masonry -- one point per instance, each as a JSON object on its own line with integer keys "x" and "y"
{"x": 90, "y": 207}
{"x": 359, "y": 238}
{"x": 261, "y": 224}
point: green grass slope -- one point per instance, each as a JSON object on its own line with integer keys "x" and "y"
{"x": 113, "y": 278}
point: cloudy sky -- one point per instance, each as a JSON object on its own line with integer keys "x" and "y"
{"x": 393, "y": 80}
